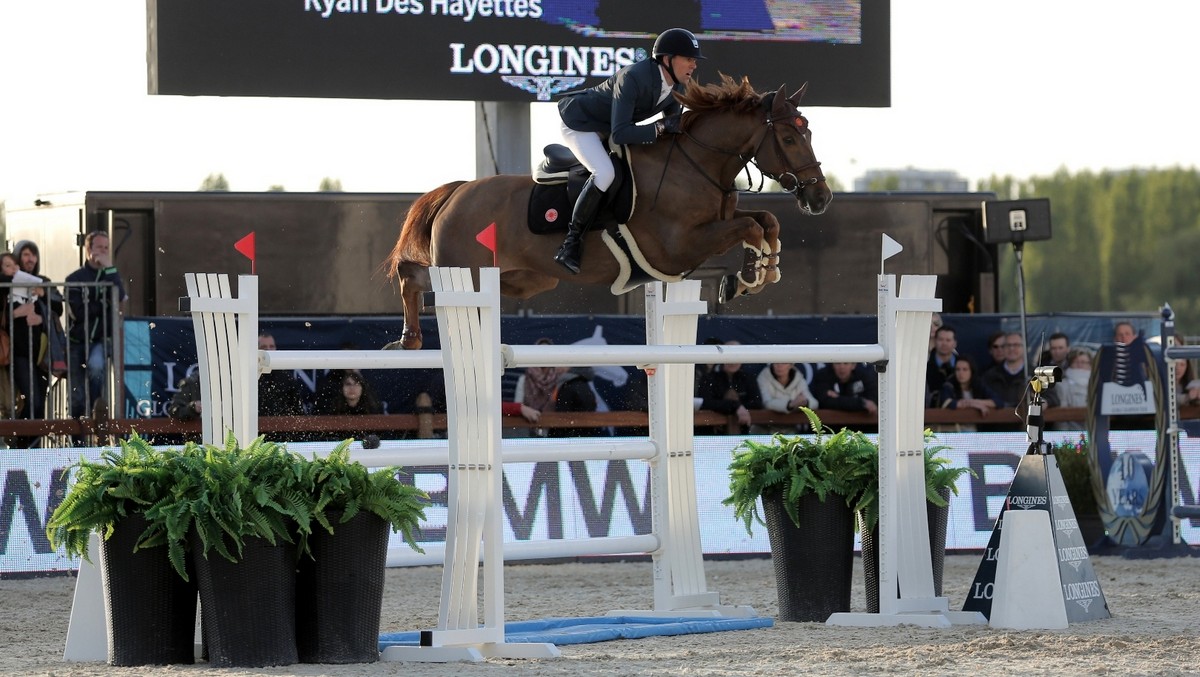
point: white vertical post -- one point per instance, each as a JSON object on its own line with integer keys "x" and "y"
{"x": 905, "y": 568}
{"x": 226, "y": 330}
{"x": 672, "y": 314}
{"x": 469, "y": 327}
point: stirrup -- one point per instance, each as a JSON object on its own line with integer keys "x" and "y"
{"x": 565, "y": 259}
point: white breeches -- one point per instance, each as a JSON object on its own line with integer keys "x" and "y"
{"x": 589, "y": 148}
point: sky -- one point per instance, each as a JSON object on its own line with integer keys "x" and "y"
{"x": 979, "y": 87}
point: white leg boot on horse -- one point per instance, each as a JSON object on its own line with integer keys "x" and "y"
{"x": 571, "y": 251}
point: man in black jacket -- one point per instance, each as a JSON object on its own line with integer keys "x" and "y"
{"x": 94, "y": 293}
{"x": 846, "y": 386}
{"x": 731, "y": 390}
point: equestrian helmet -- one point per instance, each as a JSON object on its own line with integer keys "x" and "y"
{"x": 677, "y": 42}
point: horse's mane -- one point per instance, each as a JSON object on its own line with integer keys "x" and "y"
{"x": 727, "y": 95}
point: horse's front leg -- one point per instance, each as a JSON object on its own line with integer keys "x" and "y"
{"x": 760, "y": 264}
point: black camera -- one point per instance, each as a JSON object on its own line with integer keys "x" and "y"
{"x": 1047, "y": 376}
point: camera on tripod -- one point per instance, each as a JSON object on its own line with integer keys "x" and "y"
{"x": 1044, "y": 378}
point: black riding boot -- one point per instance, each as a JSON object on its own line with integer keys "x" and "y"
{"x": 581, "y": 218}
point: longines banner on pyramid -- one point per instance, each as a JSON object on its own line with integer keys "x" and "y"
{"x": 507, "y": 50}
{"x": 1038, "y": 485}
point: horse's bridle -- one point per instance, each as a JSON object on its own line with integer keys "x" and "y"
{"x": 746, "y": 161}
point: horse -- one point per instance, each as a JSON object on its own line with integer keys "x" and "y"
{"x": 685, "y": 209}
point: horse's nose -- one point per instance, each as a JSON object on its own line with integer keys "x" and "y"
{"x": 817, "y": 197}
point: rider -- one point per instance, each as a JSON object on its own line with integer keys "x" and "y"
{"x": 633, "y": 94}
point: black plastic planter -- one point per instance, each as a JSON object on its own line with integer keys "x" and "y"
{"x": 151, "y": 610}
{"x": 814, "y": 562}
{"x": 339, "y": 591}
{"x": 938, "y": 518}
{"x": 248, "y": 608}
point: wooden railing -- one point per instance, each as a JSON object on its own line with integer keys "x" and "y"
{"x": 429, "y": 424}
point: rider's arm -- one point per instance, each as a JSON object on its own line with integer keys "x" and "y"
{"x": 626, "y": 90}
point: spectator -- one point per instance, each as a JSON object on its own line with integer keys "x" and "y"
{"x": 280, "y": 393}
{"x": 356, "y": 398}
{"x": 1073, "y": 391}
{"x": 534, "y": 392}
{"x": 1187, "y": 387}
{"x": 784, "y": 390}
{"x": 966, "y": 390}
{"x": 187, "y": 404}
{"x": 995, "y": 350}
{"x": 940, "y": 366}
{"x": 329, "y": 385}
{"x": 935, "y": 323}
{"x": 1008, "y": 380}
{"x": 92, "y": 308}
{"x": 30, "y": 316}
{"x": 728, "y": 389}
{"x": 846, "y": 386}
{"x": 703, "y": 370}
{"x": 574, "y": 394}
{"x": 1055, "y": 354}
{"x": 1123, "y": 332}
{"x": 8, "y": 268}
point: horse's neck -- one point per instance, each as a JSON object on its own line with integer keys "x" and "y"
{"x": 724, "y": 143}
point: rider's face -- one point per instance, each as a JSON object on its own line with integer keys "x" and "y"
{"x": 684, "y": 66}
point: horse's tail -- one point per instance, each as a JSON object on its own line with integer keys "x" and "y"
{"x": 417, "y": 231}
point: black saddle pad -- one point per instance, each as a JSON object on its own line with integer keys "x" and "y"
{"x": 550, "y": 205}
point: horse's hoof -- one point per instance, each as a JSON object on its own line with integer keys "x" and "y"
{"x": 405, "y": 343}
{"x": 728, "y": 289}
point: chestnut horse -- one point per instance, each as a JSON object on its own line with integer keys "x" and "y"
{"x": 685, "y": 210}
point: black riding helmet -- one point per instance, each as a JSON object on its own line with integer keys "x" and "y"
{"x": 677, "y": 42}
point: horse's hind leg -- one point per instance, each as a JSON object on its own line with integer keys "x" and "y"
{"x": 414, "y": 281}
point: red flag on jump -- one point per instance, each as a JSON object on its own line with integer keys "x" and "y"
{"x": 487, "y": 238}
{"x": 245, "y": 247}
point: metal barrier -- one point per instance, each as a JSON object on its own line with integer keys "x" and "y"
{"x": 48, "y": 361}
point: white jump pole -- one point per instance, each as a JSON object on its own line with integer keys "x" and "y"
{"x": 906, "y": 593}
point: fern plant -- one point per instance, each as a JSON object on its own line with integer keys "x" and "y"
{"x": 795, "y": 466}
{"x": 337, "y": 484}
{"x": 121, "y": 482}
{"x": 225, "y": 495}
{"x": 939, "y": 477}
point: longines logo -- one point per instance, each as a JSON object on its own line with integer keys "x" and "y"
{"x": 542, "y": 70}
{"x": 1026, "y": 502}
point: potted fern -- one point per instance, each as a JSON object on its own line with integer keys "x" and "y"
{"x": 340, "y": 578}
{"x": 807, "y": 486}
{"x": 234, "y": 510}
{"x": 150, "y": 610}
{"x": 941, "y": 480}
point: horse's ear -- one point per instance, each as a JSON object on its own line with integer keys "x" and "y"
{"x": 795, "y": 98}
{"x": 778, "y": 103}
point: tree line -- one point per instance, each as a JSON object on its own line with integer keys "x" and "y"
{"x": 1121, "y": 240}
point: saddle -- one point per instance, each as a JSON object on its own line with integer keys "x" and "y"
{"x": 559, "y": 179}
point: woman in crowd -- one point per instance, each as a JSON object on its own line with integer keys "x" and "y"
{"x": 1073, "y": 391}
{"x": 966, "y": 390}
{"x": 783, "y": 390}
{"x": 356, "y": 398}
{"x": 1187, "y": 386}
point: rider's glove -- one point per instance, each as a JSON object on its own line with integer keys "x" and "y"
{"x": 671, "y": 124}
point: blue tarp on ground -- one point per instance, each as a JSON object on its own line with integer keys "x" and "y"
{"x": 598, "y": 629}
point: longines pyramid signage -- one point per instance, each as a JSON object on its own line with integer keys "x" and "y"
{"x": 1038, "y": 485}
